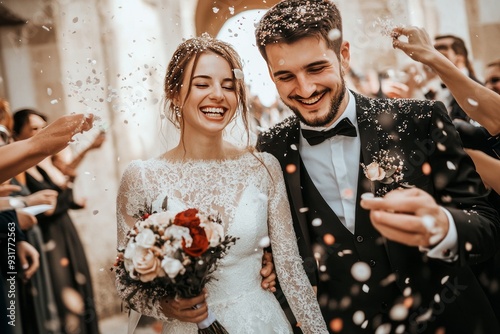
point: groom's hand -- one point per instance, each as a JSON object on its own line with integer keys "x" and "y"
{"x": 408, "y": 216}
{"x": 186, "y": 310}
{"x": 267, "y": 272}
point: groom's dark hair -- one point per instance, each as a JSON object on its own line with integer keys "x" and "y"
{"x": 291, "y": 20}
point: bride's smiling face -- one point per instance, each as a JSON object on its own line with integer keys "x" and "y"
{"x": 208, "y": 95}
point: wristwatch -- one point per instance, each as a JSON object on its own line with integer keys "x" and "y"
{"x": 17, "y": 203}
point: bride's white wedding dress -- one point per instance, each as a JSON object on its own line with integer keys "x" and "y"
{"x": 252, "y": 202}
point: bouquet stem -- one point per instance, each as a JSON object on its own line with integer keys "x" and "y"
{"x": 214, "y": 328}
{"x": 210, "y": 325}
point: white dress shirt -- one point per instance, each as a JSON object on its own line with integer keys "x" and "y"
{"x": 330, "y": 165}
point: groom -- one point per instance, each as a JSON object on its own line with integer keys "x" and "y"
{"x": 399, "y": 260}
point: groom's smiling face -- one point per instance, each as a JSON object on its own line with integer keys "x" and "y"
{"x": 309, "y": 79}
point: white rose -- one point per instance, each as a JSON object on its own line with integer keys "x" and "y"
{"x": 128, "y": 254}
{"x": 374, "y": 172}
{"x": 146, "y": 264}
{"x": 214, "y": 231}
{"x": 172, "y": 267}
{"x": 161, "y": 218}
{"x": 141, "y": 225}
{"x": 177, "y": 233}
{"x": 146, "y": 238}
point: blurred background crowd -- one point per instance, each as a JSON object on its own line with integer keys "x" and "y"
{"x": 108, "y": 57}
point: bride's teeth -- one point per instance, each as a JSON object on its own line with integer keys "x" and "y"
{"x": 213, "y": 111}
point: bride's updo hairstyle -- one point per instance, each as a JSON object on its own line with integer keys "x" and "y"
{"x": 191, "y": 49}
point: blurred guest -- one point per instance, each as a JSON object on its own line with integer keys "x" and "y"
{"x": 259, "y": 115}
{"x": 67, "y": 163}
{"x": 453, "y": 48}
{"x": 71, "y": 280}
{"x": 479, "y": 144}
{"x": 492, "y": 76}
{"x": 22, "y": 259}
{"x": 479, "y": 102}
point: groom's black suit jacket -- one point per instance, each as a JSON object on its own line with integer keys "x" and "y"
{"x": 419, "y": 137}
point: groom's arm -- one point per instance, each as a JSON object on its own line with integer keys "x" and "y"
{"x": 416, "y": 218}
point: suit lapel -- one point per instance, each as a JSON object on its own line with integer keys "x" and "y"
{"x": 369, "y": 147}
{"x": 367, "y": 130}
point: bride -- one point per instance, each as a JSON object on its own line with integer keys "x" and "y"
{"x": 204, "y": 89}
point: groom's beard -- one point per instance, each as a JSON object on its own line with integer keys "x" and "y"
{"x": 334, "y": 109}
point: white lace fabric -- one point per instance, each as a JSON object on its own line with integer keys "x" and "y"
{"x": 253, "y": 205}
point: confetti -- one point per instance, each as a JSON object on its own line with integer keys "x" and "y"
{"x": 472, "y": 102}
{"x": 398, "y": 312}
{"x": 238, "y": 74}
{"x": 358, "y": 317}
{"x": 316, "y": 222}
{"x": 336, "y": 324}
{"x": 73, "y": 300}
{"x": 426, "y": 168}
{"x": 291, "y": 168}
{"x": 329, "y": 239}
{"x": 264, "y": 242}
{"x": 361, "y": 271}
{"x": 334, "y": 34}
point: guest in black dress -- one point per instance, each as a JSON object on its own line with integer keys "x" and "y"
{"x": 70, "y": 275}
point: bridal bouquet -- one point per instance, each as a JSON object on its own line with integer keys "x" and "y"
{"x": 173, "y": 255}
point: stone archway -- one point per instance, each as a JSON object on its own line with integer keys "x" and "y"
{"x": 207, "y": 20}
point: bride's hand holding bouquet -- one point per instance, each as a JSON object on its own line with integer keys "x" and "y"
{"x": 171, "y": 256}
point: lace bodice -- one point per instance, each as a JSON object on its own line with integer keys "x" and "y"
{"x": 249, "y": 193}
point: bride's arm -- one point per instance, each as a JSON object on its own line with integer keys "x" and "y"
{"x": 291, "y": 274}
{"x": 131, "y": 198}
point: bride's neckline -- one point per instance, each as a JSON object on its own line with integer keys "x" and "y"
{"x": 235, "y": 157}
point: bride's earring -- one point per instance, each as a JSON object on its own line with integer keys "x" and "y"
{"x": 177, "y": 111}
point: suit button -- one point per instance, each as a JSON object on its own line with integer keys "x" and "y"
{"x": 384, "y": 307}
{"x": 372, "y": 263}
{"x": 359, "y": 238}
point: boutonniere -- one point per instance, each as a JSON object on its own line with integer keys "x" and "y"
{"x": 385, "y": 168}
{"x": 374, "y": 172}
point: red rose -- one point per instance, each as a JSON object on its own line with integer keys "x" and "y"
{"x": 199, "y": 244}
{"x": 188, "y": 218}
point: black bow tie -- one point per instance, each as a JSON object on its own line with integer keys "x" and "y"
{"x": 344, "y": 128}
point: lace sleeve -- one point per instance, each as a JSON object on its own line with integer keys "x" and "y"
{"x": 131, "y": 197}
{"x": 291, "y": 273}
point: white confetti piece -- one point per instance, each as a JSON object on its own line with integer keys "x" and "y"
{"x": 361, "y": 271}
{"x": 398, "y": 312}
{"x": 334, "y": 34}
{"x": 429, "y": 222}
{"x": 264, "y": 242}
{"x": 472, "y": 102}
{"x": 316, "y": 222}
{"x": 238, "y": 74}
{"x": 444, "y": 279}
{"x": 358, "y": 317}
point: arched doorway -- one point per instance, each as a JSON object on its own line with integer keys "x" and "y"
{"x": 211, "y": 15}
